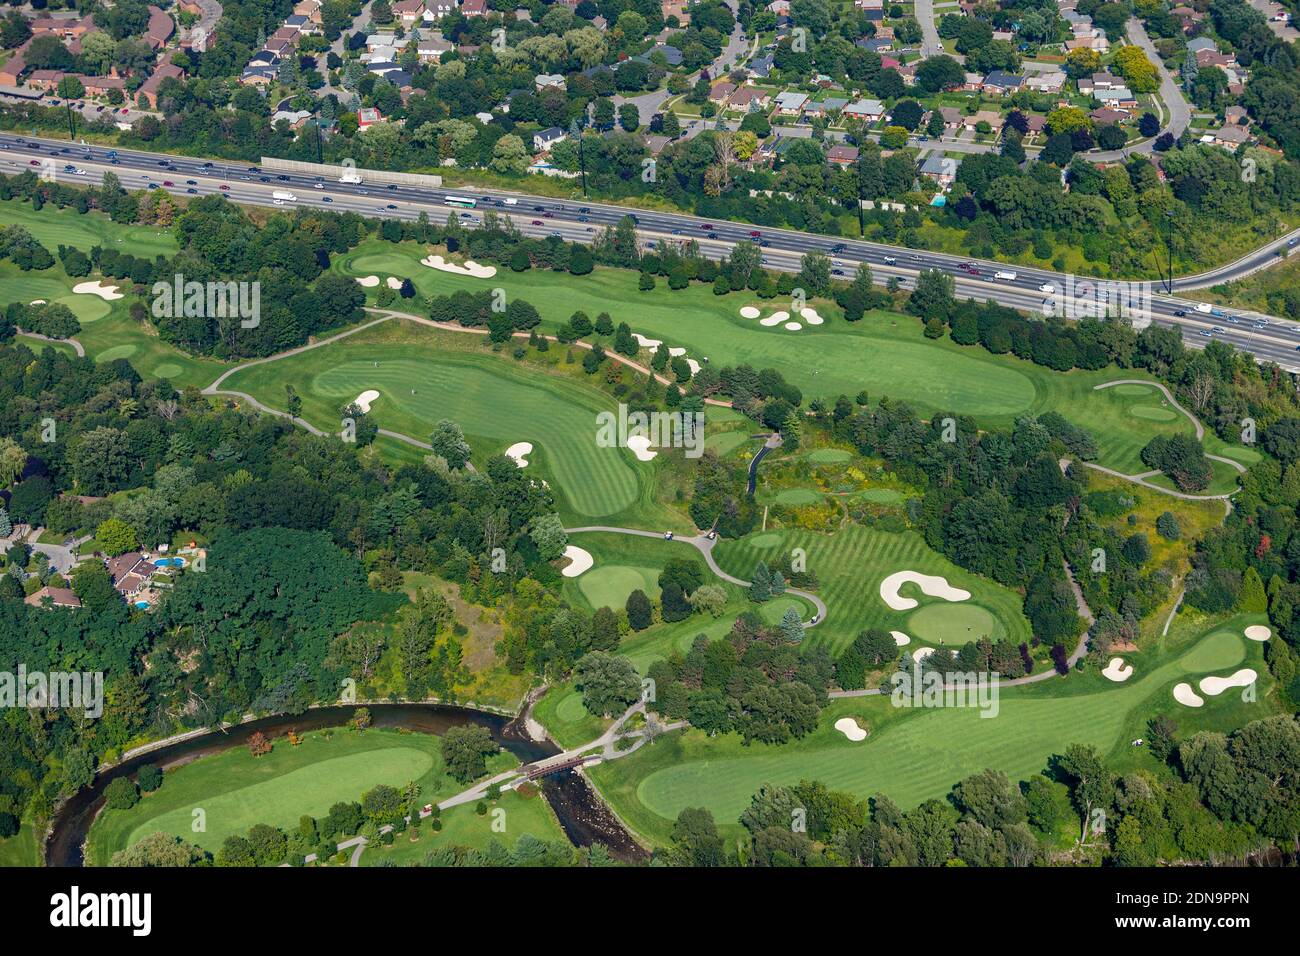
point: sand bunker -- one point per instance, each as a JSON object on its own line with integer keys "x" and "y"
{"x": 1214, "y": 686}
{"x": 921, "y": 653}
{"x": 394, "y": 282}
{"x": 849, "y": 728}
{"x": 1184, "y": 694}
{"x": 37, "y": 302}
{"x": 694, "y": 366}
{"x": 640, "y": 446}
{"x": 468, "y": 269}
{"x": 368, "y": 281}
{"x": 646, "y": 343}
{"x": 776, "y": 318}
{"x": 749, "y": 312}
{"x": 930, "y": 584}
{"x": 98, "y": 288}
{"x": 1258, "y": 632}
{"x": 900, "y": 638}
{"x": 363, "y": 400}
{"x": 793, "y": 326}
{"x": 517, "y": 451}
{"x": 1117, "y": 670}
{"x": 676, "y": 352}
{"x": 579, "y": 561}
{"x": 811, "y": 317}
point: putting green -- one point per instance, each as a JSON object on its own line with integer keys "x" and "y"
{"x": 571, "y": 709}
{"x": 167, "y": 370}
{"x": 116, "y": 352}
{"x": 281, "y": 801}
{"x": 380, "y": 263}
{"x": 723, "y": 442}
{"x": 85, "y": 306}
{"x": 496, "y": 402}
{"x": 824, "y": 456}
{"x": 766, "y": 539}
{"x": 953, "y": 625}
{"x": 1153, "y": 413}
{"x": 609, "y": 586}
{"x": 1131, "y": 389}
{"x": 1214, "y": 652}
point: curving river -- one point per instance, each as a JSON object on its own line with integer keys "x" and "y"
{"x": 582, "y": 815}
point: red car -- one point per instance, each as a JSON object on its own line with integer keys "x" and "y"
{"x": 168, "y": 182}
{"x": 538, "y": 222}
{"x": 754, "y": 233}
{"x": 225, "y": 187}
{"x": 707, "y": 227}
{"x": 34, "y": 162}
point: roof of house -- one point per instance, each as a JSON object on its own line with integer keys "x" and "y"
{"x": 936, "y": 164}
{"x": 59, "y": 597}
{"x": 867, "y": 107}
{"x": 791, "y": 100}
{"x": 1004, "y": 79}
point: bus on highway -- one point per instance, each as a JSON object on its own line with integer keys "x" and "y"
{"x": 462, "y": 202}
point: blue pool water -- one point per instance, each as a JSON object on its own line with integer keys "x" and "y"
{"x": 169, "y": 563}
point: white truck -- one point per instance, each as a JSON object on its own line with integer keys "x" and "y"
{"x": 1005, "y": 276}
{"x": 283, "y": 195}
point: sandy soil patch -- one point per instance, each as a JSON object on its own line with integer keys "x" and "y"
{"x": 900, "y": 638}
{"x": 849, "y": 728}
{"x": 363, "y": 400}
{"x": 394, "y": 282}
{"x": 749, "y": 312}
{"x": 933, "y": 585}
{"x": 517, "y": 451}
{"x": 1214, "y": 686}
{"x": 811, "y": 317}
{"x": 640, "y": 445}
{"x": 468, "y": 269}
{"x": 108, "y": 292}
{"x": 368, "y": 282}
{"x": 1117, "y": 670}
{"x": 1258, "y": 632}
{"x": 1184, "y": 694}
{"x": 580, "y": 560}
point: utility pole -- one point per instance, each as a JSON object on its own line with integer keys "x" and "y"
{"x": 576, "y": 130}
{"x": 1169, "y": 248}
{"x": 862, "y": 226}
{"x": 72, "y": 123}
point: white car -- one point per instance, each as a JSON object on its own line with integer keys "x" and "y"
{"x": 890, "y": 260}
{"x": 1047, "y": 287}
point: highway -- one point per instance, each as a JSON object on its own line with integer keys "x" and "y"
{"x": 1030, "y": 289}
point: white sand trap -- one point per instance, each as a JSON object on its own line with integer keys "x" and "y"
{"x": 368, "y": 281}
{"x": 930, "y": 584}
{"x": 468, "y": 269}
{"x": 579, "y": 561}
{"x": 394, "y": 282}
{"x": 694, "y": 366}
{"x": 98, "y": 288}
{"x": 517, "y": 451}
{"x": 900, "y": 638}
{"x": 1117, "y": 670}
{"x": 749, "y": 312}
{"x": 363, "y": 400}
{"x": 811, "y": 317}
{"x": 1214, "y": 686}
{"x": 1258, "y": 632}
{"x": 776, "y": 318}
{"x": 676, "y": 352}
{"x": 793, "y": 326}
{"x": 646, "y": 343}
{"x": 849, "y": 728}
{"x": 1184, "y": 694}
{"x": 37, "y": 302}
{"x": 921, "y": 653}
{"x": 640, "y": 445}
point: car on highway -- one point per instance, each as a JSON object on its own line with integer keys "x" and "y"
{"x": 153, "y": 185}
{"x": 168, "y": 182}
{"x": 283, "y": 179}
{"x": 1218, "y": 329}
{"x": 584, "y": 209}
{"x": 1206, "y": 332}
{"x": 835, "y": 249}
{"x": 162, "y": 162}
{"x": 837, "y": 272}
{"x": 392, "y": 205}
{"x": 1047, "y": 287}
{"x": 538, "y": 222}
{"x": 34, "y": 162}
{"x": 890, "y": 260}
{"x": 1231, "y": 318}
{"x": 548, "y": 215}
{"x": 754, "y": 234}
{"x": 391, "y": 187}
{"x": 1293, "y": 242}
{"x": 677, "y": 232}
{"x": 1180, "y": 312}
{"x": 1005, "y": 276}
{"x": 192, "y": 191}
{"x": 191, "y": 182}
{"x": 326, "y": 199}
{"x": 706, "y": 227}
{"x": 713, "y": 235}
{"x": 539, "y": 209}
{"x": 317, "y": 185}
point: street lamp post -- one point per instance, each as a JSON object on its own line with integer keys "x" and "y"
{"x": 1169, "y": 248}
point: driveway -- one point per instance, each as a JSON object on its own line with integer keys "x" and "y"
{"x": 1171, "y": 94}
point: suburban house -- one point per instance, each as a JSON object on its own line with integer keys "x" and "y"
{"x": 1119, "y": 98}
{"x": 721, "y": 92}
{"x": 160, "y": 28}
{"x": 543, "y": 80}
{"x": 951, "y": 117}
{"x": 991, "y": 117}
{"x": 369, "y": 116}
{"x": 150, "y": 88}
{"x": 130, "y": 573}
{"x": 543, "y": 140}
{"x": 1098, "y": 81}
{"x": 1052, "y": 82}
{"x": 940, "y": 169}
{"x": 1103, "y": 115}
{"x": 842, "y": 155}
{"x": 1001, "y": 83}
{"x": 408, "y": 12}
{"x": 52, "y": 597}
{"x": 474, "y": 8}
{"x": 1230, "y": 137}
{"x": 869, "y": 111}
{"x": 789, "y": 103}
{"x": 750, "y": 97}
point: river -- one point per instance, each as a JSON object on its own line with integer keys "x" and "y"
{"x": 583, "y": 816}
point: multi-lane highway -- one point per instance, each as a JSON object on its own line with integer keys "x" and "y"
{"x": 1030, "y": 289}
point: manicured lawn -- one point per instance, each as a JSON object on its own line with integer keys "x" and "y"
{"x": 850, "y": 565}
{"x": 20, "y": 849}
{"x": 563, "y": 714}
{"x": 512, "y": 815}
{"x": 54, "y": 227}
{"x": 496, "y": 400}
{"x": 237, "y": 790}
{"x": 912, "y": 755}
